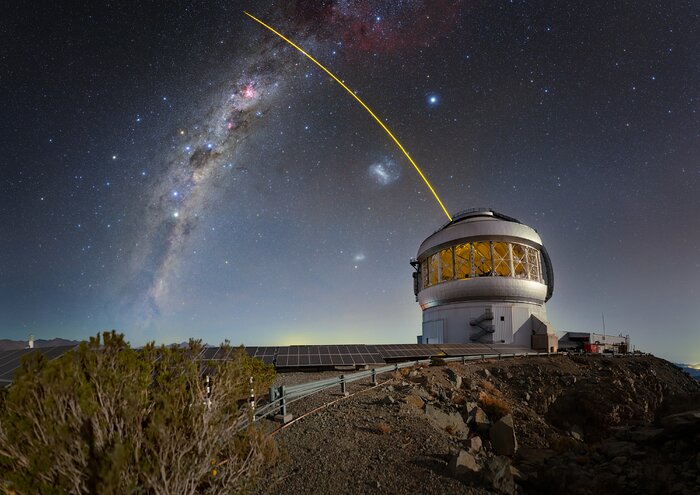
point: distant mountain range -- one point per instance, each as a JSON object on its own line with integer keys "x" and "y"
{"x": 692, "y": 369}
{"x": 9, "y": 345}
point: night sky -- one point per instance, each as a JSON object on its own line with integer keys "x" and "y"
{"x": 176, "y": 171}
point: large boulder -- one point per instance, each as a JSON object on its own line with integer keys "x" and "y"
{"x": 499, "y": 476}
{"x": 451, "y": 422}
{"x": 687, "y": 422}
{"x": 464, "y": 465}
{"x": 454, "y": 378}
{"x": 502, "y": 435}
{"x": 481, "y": 420}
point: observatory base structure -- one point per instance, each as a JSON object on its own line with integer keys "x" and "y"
{"x": 484, "y": 277}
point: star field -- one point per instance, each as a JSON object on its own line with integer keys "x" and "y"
{"x": 178, "y": 172}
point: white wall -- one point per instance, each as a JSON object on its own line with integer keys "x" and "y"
{"x": 515, "y": 328}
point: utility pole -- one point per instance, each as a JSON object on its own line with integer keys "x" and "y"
{"x": 603, "y": 315}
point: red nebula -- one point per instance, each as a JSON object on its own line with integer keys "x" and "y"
{"x": 249, "y": 91}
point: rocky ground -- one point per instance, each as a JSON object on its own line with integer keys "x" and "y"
{"x": 579, "y": 424}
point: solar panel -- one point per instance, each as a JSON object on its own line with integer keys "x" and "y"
{"x": 402, "y": 351}
{"x": 327, "y": 355}
{"x": 10, "y": 360}
{"x": 209, "y": 353}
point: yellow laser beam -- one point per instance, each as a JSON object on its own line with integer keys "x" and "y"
{"x": 374, "y": 116}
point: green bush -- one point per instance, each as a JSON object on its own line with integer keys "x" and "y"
{"x": 106, "y": 418}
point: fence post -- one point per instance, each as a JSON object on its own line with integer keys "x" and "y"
{"x": 251, "y": 399}
{"x": 464, "y": 359}
{"x": 396, "y": 367}
{"x": 499, "y": 356}
{"x": 283, "y": 403}
{"x": 207, "y": 401}
{"x": 374, "y": 376}
{"x": 281, "y": 415}
{"x": 343, "y": 389}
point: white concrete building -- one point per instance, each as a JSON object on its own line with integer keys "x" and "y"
{"x": 484, "y": 277}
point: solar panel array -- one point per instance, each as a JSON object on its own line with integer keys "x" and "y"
{"x": 403, "y": 351}
{"x": 10, "y": 360}
{"x": 327, "y": 355}
{"x": 300, "y": 356}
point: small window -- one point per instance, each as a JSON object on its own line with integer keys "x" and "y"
{"x": 503, "y": 318}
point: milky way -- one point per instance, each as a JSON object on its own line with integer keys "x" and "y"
{"x": 210, "y": 146}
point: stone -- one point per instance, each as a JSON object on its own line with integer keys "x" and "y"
{"x": 619, "y": 460}
{"x": 481, "y": 420}
{"x": 614, "y": 449}
{"x": 454, "y": 378}
{"x": 451, "y": 422}
{"x": 463, "y": 465}
{"x": 502, "y": 435}
{"x": 685, "y": 422}
{"x": 576, "y": 436}
{"x": 388, "y": 400}
{"x": 421, "y": 392}
{"x": 517, "y": 474}
{"x": 414, "y": 400}
{"x": 644, "y": 435}
{"x": 498, "y": 475}
{"x": 475, "y": 444}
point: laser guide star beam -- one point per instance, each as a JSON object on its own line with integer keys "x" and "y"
{"x": 364, "y": 105}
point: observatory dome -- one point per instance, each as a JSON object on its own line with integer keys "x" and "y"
{"x": 485, "y": 266}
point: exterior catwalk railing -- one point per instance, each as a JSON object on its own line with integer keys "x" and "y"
{"x": 281, "y": 397}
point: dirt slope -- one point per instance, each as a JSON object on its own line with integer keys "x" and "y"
{"x": 583, "y": 424}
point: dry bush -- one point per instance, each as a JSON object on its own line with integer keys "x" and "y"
{"x": 437, "y": 361}
{"x": 493, "y": 406}
{"x": 107, "y": 419}
{"x": 488, "y": 387}
{"x": 383, "y": 428}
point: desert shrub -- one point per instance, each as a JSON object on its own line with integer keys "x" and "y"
{"x": 107, "y": 418}
{"x": 488, "y": 386}
{"x": 493, "y": 406}
{"x": 383, "y": 428}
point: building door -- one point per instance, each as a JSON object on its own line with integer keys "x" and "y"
{"x": 434, "y": 332}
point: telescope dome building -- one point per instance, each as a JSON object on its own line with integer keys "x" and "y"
{"x": 484, "y": 277}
